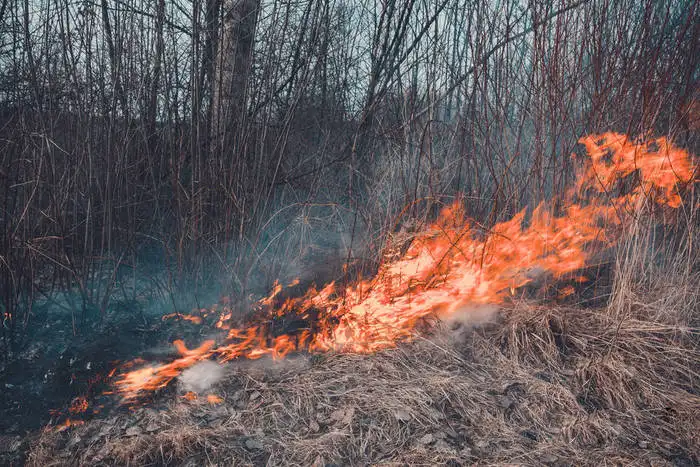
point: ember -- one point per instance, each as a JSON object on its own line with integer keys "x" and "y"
{"x": 79, "y": 405}
{"x": 191, "y": 318}
{"x": 69, "y": 423}
{"x": 213, "y": 399}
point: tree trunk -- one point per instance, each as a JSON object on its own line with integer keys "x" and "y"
{"x": 231, "y": 70}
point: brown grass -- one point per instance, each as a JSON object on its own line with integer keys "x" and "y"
{"x": 539, "y": 384}
{"x": 542, "y": 385}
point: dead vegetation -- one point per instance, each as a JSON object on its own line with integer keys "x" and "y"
{"x": 358, "y": 119}
{"x": 535, "y": 383}
{"x": 540, "y": 385}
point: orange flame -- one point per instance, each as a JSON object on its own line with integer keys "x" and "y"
{"x": 213, "y": 399}
{"x": 78, "y": 405}
{"x": 191, "y": 318}
{"x": 156, "y": 377}
{"x": 661, "y": 167}
{"x": 453, "y": 264}
{"x": 68, "y": 423}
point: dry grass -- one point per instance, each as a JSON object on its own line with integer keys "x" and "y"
{"x": 542, "y": 385}
{"x": 539, "y": 384}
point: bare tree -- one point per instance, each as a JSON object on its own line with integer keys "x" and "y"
{"x": 228, "y": 135}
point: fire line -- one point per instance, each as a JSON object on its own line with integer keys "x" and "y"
{"x": 453, "y": 264}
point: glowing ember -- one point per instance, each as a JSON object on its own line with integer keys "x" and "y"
{"x": 69, "y": 423}
{"x": 213, "y": 399}
{"x": 191, "y": 318}
{"x": 566, "y": 291}
{"x": 78, "y": 405}
{"x": 453, "y": 265}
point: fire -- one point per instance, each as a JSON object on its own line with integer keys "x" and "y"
{"x": 213, "y": 399}
{"x": 191, "y": 318}
{"x": 155, "y": 377}
{"x": 455, "y": 263}
{"x": 661, "y": 167}
{"x": 78, "y": 405}
{"x": 69, "y": 423}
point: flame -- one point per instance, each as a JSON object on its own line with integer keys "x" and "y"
{"x": 225, "y": 316}
{"x": 661, "y": 167}
{"x": 191, "y": 318}
{"x": 453, "y": 264}
{"x": 152, "y": 378}
{"x": 78, "y": 405}
{"x": 67, "y": 423}
{"x": 566, "y": 292}
{"x": 213, "y": 399}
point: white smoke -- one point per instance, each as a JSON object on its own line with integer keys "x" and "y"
{"x": 469, "y": 317}
{"x": 201, "y": 377}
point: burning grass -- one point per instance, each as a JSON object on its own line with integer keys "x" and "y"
{"x": 365, "y": 381}
{"x": 540, "y": 384}
{"x": 454, "y": 264}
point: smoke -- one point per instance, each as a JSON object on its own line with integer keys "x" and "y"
{"x": 470, "y": 316}
{"x": 201, "y": 377}
{"x": 311, "y": 245}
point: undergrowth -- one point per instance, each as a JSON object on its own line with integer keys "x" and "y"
{"x": 539, "y": 383}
